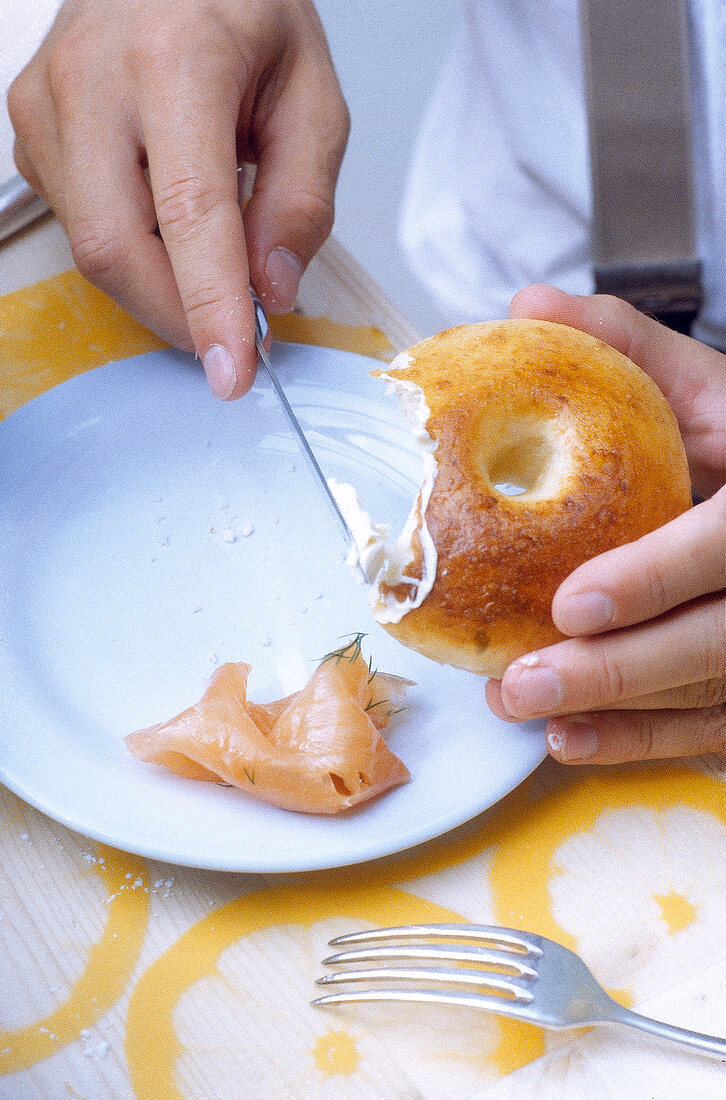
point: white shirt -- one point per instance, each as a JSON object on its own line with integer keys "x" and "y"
{"x": 499, "y": 192}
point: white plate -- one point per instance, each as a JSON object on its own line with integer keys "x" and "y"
{"x": 149, "y": 531}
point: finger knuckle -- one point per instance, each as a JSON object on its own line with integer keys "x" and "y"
{"x": 315, "y": 211}
{"x": 629, "y": 321}
{"x": 715, "y": 664}
{"x": 656, "y": 588}
{"x": 718, "y": 738}
{"x": 98, "y": 252}
{"x": 202, "y": 304}
{"x": 712, "y": 693}
{"x": 341, "y": 123}
{"x": 718, "y": 503}
{"x": 185, "y": 205}
{"x": 609, "y": 680}
{"x": 642, "y": 741}
{"x": 24, "y": 165}
{"x": 22, "y": 103}
{"x": 66, "y": 66}
{"x": 155, "y": 50}
{"x": 619, "y": 310}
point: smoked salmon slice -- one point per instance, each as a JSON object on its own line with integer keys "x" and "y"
{"x": 318, "y": 751}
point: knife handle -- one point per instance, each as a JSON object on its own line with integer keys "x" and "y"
{"x": 262, "y": 325}
{"x": 19, "y": 206}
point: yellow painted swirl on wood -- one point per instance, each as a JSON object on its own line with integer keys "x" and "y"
{"x": 107, "y": 972}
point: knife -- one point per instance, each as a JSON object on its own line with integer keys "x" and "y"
{"x": 262, "y": 327}
{"x": 19, "y": 206}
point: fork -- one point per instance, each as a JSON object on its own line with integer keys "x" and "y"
{"x": 512, "y": 973}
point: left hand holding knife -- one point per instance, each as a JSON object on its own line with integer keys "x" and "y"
{"x": 132, "y": 118}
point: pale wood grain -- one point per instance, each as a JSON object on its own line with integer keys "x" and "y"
{"x": 336, "y": 286}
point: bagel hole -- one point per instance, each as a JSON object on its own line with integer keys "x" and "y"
{"x": 521, "y": 466}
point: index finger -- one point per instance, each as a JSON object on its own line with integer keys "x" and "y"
{"x": 686, "y": 646}
{"x": 190, "y": 134}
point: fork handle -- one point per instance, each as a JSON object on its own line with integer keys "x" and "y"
{"x": 711, "y": 1044}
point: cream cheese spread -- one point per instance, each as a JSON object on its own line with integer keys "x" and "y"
{"x": 378, "y": 561}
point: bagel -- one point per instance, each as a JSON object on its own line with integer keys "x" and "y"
{"x": 544, "y": 447}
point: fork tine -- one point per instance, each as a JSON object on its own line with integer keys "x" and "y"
{"x": 469, "y": 953}
{"x": 499, "y": 1005}
{"x": 450, "y": 975}
{"x": 504, "y": 948}
{"x": 506, "y": 938}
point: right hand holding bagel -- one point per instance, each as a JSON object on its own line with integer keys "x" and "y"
{"x": 643, "y": 673}
{"x": 186, "y": 89}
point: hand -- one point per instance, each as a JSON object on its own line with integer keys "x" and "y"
{"x": 643, "y": 672}
{"x": 134, "y": 115}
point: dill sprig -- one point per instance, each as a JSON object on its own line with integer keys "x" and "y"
{"x": 380, "y": 702}
{"x": 349, "y": 652}
{"x": 250, "y": 775}
{"x": 370, "y": 705}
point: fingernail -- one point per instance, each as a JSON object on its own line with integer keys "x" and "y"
{"x": 284, "y": 271}
{"x": 585, "y": 612}
{"x": 220, "y": 371}
{"x": 573, "y": 741}
{"x": 534, "y": 691}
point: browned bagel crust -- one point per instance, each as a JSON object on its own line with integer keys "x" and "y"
{"x": 501, "y": 558}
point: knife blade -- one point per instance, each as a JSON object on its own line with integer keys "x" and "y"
{"x": 261, "y": 329}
